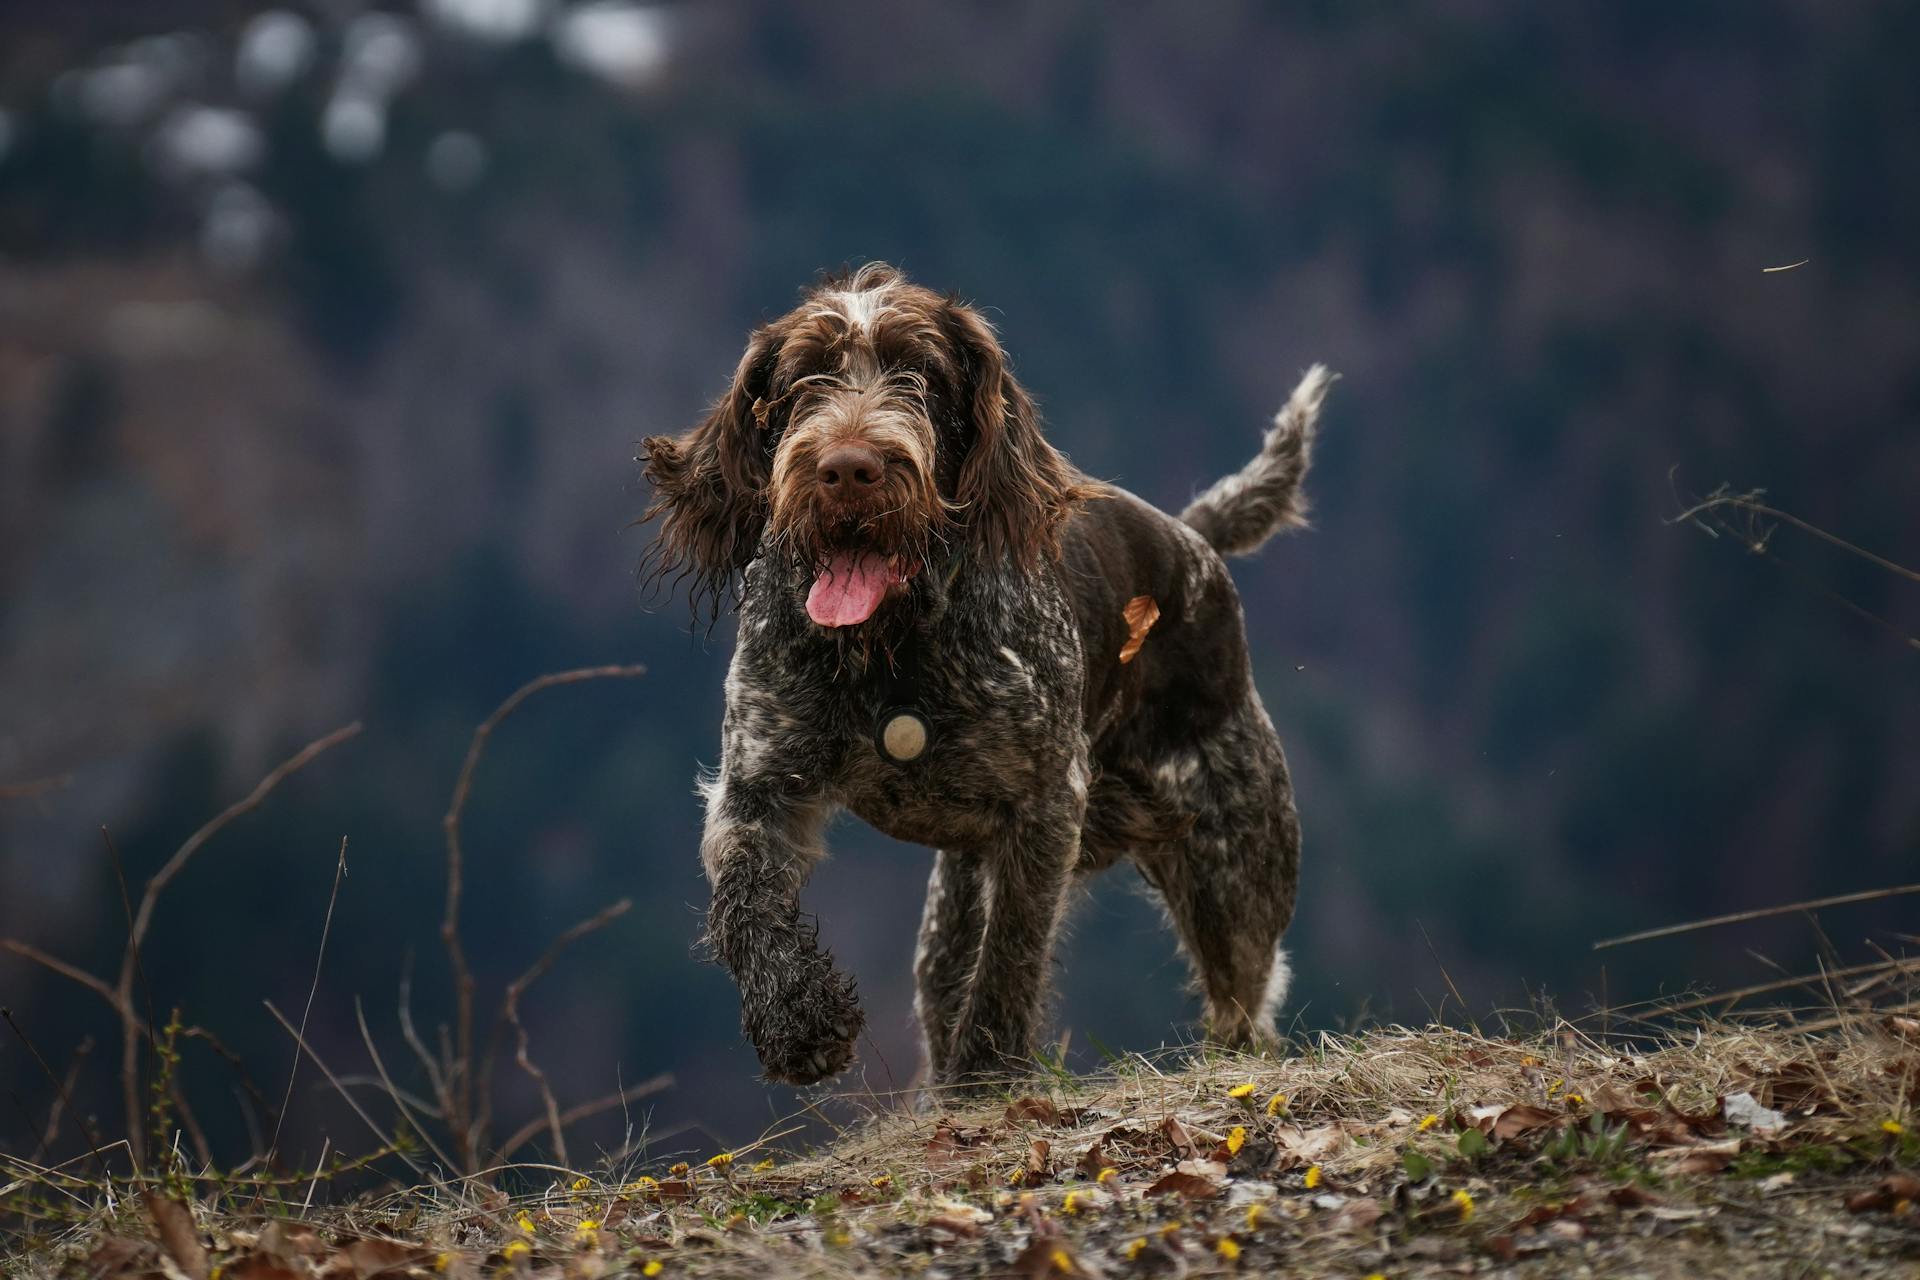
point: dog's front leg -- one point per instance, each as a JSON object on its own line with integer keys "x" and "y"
{"x": 1031, "y": 871}
{"x": 799, "y": 1011}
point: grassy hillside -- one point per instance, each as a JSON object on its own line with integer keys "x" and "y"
{"x": 1729, "y": 1150}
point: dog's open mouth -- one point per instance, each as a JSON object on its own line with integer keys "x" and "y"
{"x": 850, "y": 585}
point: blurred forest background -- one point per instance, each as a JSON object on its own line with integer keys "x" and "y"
{"x": 327, "y": 334}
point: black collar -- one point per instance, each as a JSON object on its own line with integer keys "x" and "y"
{"x": 902, "y": 732}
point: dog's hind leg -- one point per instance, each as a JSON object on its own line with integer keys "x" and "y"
{"x": 948, "y": 951}
{"x": 1229, "y": 885}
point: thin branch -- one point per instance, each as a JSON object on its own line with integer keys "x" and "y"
{"x": 326, "y": 927}
{"x": 573, "y": 1115}
{"x": 1741, "y": 917}
{"x": 460, "y": 1115}
{"x": 65, "y": 1091}
{"x": 1729, "y": 998}
{"x": 1750, "y": 503}
{"x": 398, "y": 1100}
{"x": 300, "y": 1040}
{"x": 510, "y": 1009}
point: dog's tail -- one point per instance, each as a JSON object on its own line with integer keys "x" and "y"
{"x": 1241, "y": 511}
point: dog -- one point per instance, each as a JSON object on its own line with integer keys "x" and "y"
{"x": 947, "y": 629}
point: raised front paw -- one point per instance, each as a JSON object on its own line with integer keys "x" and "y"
{"x": 804, "y": 1031}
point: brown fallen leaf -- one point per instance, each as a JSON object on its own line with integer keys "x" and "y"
{"x": 1181, "y": 1183}
{"x": 377, "y": 1256}
{"x": 1356, "y": 1216}
{"x": 1523, "y": 1118}
{"x": 1901, "y": 1188}
{"x": 1033, "y": 1111}
{"x": 1705, "y": 1157}
{"x": 1038, "y": 1166}
{"x": 951, "y": 1145}
{"x": 173, "y": 1226}
{"x": 954, "y": 1224}
{"x": 1141, "y": 613}
{"x": 1176, "y": 1133}
{"x": 1094, "y": 1158}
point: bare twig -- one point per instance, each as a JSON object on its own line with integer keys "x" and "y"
{"x": 510, "y": 1010}
{"x": 1741, "y": 917}
{"x": 1750, "y": 503}
{"x": 326, "y": 927}
{"x": 1733, "y": 997}
{"x": 573, "y": 1115}
{"x": 300, "y": 1040}
{"x": 399, "y": 1100}
{"x": 65, "y": 1091}
{"x": 150, "y": 899}
{"x": 461, "y": 1115}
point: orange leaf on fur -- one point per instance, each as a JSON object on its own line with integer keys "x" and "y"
{"x": 1141, "y": 613}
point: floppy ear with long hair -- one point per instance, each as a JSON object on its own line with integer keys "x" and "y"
{"x": 1014, "y": 488}
{"x": 709, "y": 484}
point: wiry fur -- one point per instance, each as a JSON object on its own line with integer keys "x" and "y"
{"x": 1241, "y": 511}
{"x": 1051, "y": 758}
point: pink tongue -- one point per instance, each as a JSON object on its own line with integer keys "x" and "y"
{"x": 848, "y": 589}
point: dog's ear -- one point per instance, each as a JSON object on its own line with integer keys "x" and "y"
{"x": 710, "y": 484}
{"x": 1014, "y": 488}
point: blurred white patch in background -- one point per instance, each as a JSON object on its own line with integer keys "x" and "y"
{"x": 626, "y": 44}
{"x": 275, "y": 49}
{"x": 501, "y": 21}
{"x": 380, "y": 56}
{"x": 354, "y": 127}
{"x": 197, "y": 140}
{"x": 238, "y": 228}
{"x": 456, "y": 160}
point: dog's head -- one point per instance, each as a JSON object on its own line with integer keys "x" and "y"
{"x": 869, "y": 431}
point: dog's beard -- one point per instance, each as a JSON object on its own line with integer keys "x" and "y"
{"x": 854, "y": 559}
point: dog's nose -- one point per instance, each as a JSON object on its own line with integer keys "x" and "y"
{"x": 850, "y": 470}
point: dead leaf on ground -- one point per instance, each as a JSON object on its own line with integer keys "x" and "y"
{"x": 951, "y": 1145}
{"x": 955, "y": 1224}
{"x": 1901, "y": 1188}
{"x": 1309, "y": 1146}
{"x": 1523, "y": 1118}
{"x": 1141, "y": 613}
{"x": 1176, "y": 1133}
{"x": 1033, "y": 1111}
{"x": 1037, "y": 1168}
{"x": 1705, "y": 1157}
{"x": 174, "y": 1227}
{"x": 1744, "y": 1110}
{"x": 1356, "y": 1216}
{"x": 1192, "y": 1186}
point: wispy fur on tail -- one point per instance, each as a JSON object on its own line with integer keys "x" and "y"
{"x": 1241, "y": 511}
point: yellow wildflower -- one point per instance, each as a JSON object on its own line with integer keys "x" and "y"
{"x": 1236, "y": 1139}
{"x": 1170, "y": 1228}
{"x": 840, "y": 1237}
{"x": 1107, "y": 1175}
{"x": 1313, "y": 1177}
{"x": 516, "y": 1249}
{"x": 1255, "y": 1212}
{"x": 1071, "y": 1204}
{"x": 442, "y": 1260}
{"x": 1893, "y": 1127}
{"x": 1228, "y": 1249}
{"x": 720, "y": 1161}
{"x": 1137, "y": 1247}
{"x": 1576, "y": 1100}
{"x": 525, "y": 1223}
{"x": 653, "y": 1268}
{"x": 764, "y": 1165}
{"x": 882, "y": 1182}
{"x": 1062, "y": 1261}
{"x": 643, "y": 1184}
{"x": 1241, "y": 1092}
{"x": 582, "y": 1184}
{"x": 1276, "y": 1103}
{"x": 1528, "y": 1060}
{"x": 1464, "y": 1203}
{"x": 1555, "y": 1087}
{"x": 679, "y": 1169}
{"x": 1427, "y": 1122}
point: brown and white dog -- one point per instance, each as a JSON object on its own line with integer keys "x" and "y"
{"x": 948, "y": 630}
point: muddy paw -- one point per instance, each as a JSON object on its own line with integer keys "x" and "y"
{"x": 805, "y": 1033}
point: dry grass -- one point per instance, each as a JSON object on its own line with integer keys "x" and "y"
{"x": 1396, "y": 1152}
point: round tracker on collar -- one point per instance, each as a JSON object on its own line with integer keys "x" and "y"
{"x": 902, "y": 735}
